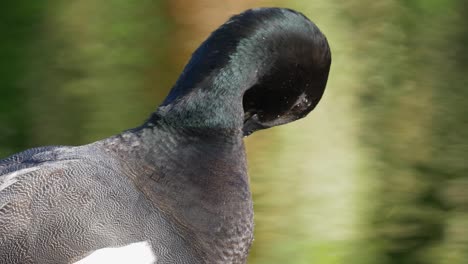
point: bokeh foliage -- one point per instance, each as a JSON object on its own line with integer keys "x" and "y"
{"x": 376, "y": 174}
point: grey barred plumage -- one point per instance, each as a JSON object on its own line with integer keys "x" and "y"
{"x": 179, "y": 182}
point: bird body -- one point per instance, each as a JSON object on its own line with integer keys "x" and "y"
{"x": 64, "y": 189}
{"x": 177, "y": 185}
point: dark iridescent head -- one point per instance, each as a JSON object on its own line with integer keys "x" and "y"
{"x": 262, "y": 68}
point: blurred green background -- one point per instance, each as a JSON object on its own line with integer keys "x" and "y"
{"x": 378, "y": 173}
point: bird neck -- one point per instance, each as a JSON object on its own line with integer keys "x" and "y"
{"x": 254, "y": 72}
{"x": 210, "y": 97}
{"x": 200, "y": 182}
{"x": 209, "y": 92}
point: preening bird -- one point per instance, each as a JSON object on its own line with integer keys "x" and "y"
{"x": 176, "y": 188}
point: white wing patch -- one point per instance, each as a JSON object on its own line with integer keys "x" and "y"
{"x": 10, "y": 178}
{"x": 135, "y": 253}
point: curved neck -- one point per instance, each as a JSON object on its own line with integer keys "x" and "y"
{"x": 209, "y": 92}
{"x": 279, "y": 52}
{"x": 215, "y": 101}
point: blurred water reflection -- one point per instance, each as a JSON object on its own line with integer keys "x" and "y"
{"x": 376, "y": 174}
